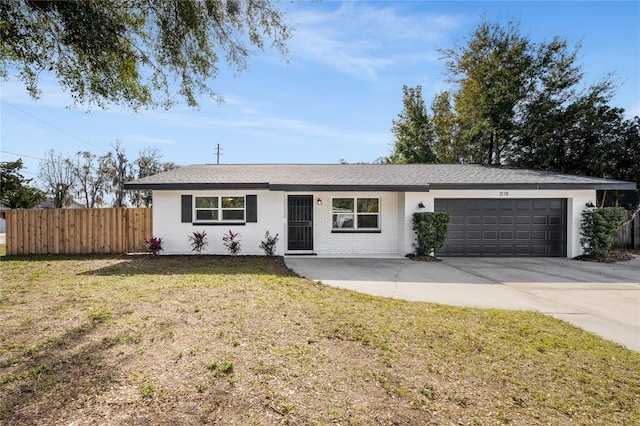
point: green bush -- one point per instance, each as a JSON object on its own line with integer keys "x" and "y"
{"x": 599, "y": 228}
{"x": 431, "y": 230}
{"x": 269, "y": 244}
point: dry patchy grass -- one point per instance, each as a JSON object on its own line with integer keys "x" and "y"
{"x": 241, "y": 341}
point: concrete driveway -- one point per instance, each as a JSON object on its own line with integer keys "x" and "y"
{"x": 601, "y": 298}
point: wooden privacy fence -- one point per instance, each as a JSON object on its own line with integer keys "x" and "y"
{"x": 629, "y": 235}
{"x": 78, "y": 231}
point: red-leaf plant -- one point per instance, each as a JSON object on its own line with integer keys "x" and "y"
{"x": 232, "y": 242}
{"x": 154, "y": 245}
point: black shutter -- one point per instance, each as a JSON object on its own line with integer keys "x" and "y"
{"x": 252, "y": 208}
{"x": 187, "y": 208}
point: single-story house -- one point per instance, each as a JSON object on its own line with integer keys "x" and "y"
{"x": 367, "y": 209}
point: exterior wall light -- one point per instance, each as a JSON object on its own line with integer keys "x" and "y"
{"x": 421, "y": 205}
{"x": 319, "y": 202}
{"x": 589, "y": 205}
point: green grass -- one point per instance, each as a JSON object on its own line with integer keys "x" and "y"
{"x": 241, "y": 340}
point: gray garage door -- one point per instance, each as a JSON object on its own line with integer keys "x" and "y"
{"x": 499, "y": 227}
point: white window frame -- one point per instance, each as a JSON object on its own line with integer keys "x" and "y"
{"x": 219, "y": 211}
{"x": 355, "y": 213}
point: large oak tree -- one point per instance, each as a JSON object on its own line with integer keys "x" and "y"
{"x": 134, "y": 53}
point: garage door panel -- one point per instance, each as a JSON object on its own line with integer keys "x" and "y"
{"x": 457, "y": 205}
{"x": 556, "y": 220}
{"x": 507, "y": 220}
{"x": 506, "y": 235}
{"x": 474, "y": 220}
{"x": 506, "y": 204}
{"x": 490, "y": 235}
{"x": 456, "y": 235}
{"x": 556, "y": 204}
{"x": 486, "y": 205}
{"x": 540, "y": 204}
{"x": 539, "y": 235}
{"x": 506, "y": 250}
{"x": 490, "y": 220}
{"x": 472, "y": 205}
{"x": 539, "y": 220}
{"x": 496, "y": 227}
{"x": 474, "y": 235}
{"x": 456, "y": 219}
{"x": 523, "y": 205}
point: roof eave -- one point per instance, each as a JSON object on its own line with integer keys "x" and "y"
{"x": 194, "y": 186}
{"x": 349, "y": 188}
{"x": 619, "y": 186}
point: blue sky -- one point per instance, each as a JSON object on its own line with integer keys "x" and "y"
{"x": 336, "y": 95}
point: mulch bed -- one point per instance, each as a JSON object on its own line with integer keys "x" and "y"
{"x": 607, "y": 258}
{"x": 421, "y": 258}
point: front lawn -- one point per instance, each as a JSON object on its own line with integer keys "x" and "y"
{"x": 242, "y": 341}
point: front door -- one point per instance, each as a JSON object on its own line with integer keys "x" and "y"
{"x": 300, "y": 223}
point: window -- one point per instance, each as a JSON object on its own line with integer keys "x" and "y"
{"x": 356, "y": 213}
{"x": 214, "y": 209}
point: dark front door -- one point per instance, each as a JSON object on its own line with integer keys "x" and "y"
{"x": 300, "y": 224}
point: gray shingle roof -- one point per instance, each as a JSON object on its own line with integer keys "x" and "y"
{"x": 359, "y": 177}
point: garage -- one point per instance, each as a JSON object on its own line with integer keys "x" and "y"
{"x": 505, "y": 227}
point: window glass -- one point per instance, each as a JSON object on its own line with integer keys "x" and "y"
{"x": 356, "y": 213}
{"x": 206, "y": 202}
{"x": 206, "y": 214}
{"x": 219, "y": 208}
{"x": 343, "y": 221}
{"x": 368, "y": 221}
{"x": 343, "y": 205}
{"x": 367, "y": 205}
{"x": 343, "y": 213}
{"x": 232, "y": 202}
{"x": 232, "y": 214}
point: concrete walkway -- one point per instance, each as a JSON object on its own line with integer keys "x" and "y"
{"x": 601, "y": 298}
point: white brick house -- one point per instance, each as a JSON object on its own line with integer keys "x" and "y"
{"x": 366, "y": 209}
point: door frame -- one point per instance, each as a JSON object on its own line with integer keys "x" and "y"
{"x": 300, "y": 224}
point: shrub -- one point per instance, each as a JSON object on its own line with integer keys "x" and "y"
{"x": 269, "y": 244}
{"x": 154, "y": 245}
{"x": 431, "y": 230}
{"x": 198, "y": 241}
{"x": 232, "y": 242}
{"x": 599, "y": 228}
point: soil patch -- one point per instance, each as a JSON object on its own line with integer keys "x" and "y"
{"x": 607, "y": 258}
{"x": 423, "y": 258}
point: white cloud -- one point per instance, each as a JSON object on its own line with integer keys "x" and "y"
{"x": 363, "y": 40}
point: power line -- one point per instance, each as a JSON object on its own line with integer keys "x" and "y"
{"x": 50, "y": 125}
{"x": 21, "y": 155}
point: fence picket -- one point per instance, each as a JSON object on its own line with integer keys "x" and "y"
{"x": 77, "y": 231}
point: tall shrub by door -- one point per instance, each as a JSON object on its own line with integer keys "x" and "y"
{"x": 431, "y": 230}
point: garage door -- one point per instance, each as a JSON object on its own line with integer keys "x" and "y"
{"x": 497, "y": 227}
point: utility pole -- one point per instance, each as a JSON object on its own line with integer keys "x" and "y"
{"x": 218, "y": 154}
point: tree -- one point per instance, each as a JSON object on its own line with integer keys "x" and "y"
{"x": 514, "y": 96}
{"x": 92, "y": 174}
{"x": 444, "y": 126}
{"x": 147, "y": 164}
{"x": 120, "y": 172}
{"x": 413, "y": 130}
{"x": 58, "y": 177}
{"x": 17, "y": 193}
{"x": 138, "y": 53}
